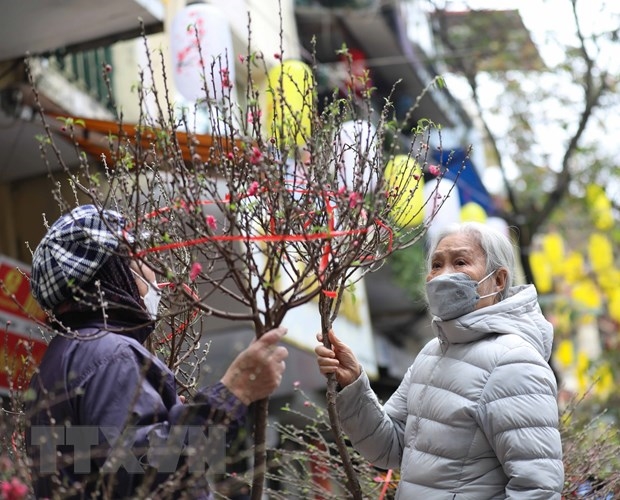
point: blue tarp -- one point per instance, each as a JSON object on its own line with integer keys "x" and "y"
{"x": 457, "y": 164}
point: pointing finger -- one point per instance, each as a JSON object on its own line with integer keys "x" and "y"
{"x": 273, "y": 336}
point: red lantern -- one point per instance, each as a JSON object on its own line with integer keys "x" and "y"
{"x": 357, "y": 77}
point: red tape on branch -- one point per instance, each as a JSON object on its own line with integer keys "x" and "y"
{"x": 269, "y": 238}
{"x": 325, "y": 257}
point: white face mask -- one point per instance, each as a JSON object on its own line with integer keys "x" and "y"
{"x": 152, "y": 297}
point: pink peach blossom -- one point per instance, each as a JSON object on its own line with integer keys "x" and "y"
{"x": 354, "y": 199}
{"x": 257, "y": 156}
{"x": 253, "y": 189}
{"x": 13, "y": 489}
{"x": 195, "y": 271}
{"x": 434, "y": 170}
{"x": 211, "y": 222}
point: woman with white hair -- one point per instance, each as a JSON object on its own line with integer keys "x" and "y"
{"x": 476, "y": 415}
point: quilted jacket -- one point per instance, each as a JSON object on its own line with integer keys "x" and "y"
{"x": 476, "y": 414}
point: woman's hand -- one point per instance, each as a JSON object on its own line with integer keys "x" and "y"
{"x": 339, "y": 360}
{"x": 257, "y": 371}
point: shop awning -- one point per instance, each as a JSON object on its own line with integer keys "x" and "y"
{"x": 100, "y": 138}
{"x": 35, "y": 27}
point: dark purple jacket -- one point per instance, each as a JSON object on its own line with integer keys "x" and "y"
{"x": 111, "y": 410}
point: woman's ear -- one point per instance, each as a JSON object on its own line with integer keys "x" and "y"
{"x": 501, "y": 279}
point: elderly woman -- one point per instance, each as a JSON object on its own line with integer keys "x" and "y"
{"x": 475, "y": 416}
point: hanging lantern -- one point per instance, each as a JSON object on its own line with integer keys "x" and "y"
{"x": 600, "y": 207}
{"x": 356, "y": 72}
{"x": 565, "y": 353}
{"x": 499, "y": 224}
{"x": 472, "y": 212}
{"x": 602, "y": 213}
{"x": 541, "y": 269}
{"x": 443, "y": 205}
{"x": 356, "y": 155}
{"x": 405, "y": 185}
{"x": 553, "y": 247}
{"x": 202, "y": 53}
{"x": 600, "y": 252}
{"x": 609, "y": 280}
{"x": 289, "y": 103}
{"x": 573, "y": 268}
{"x": 586, "y": 294}
{"x": 593, "y": 191}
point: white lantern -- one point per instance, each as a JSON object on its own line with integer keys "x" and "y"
{"x": 443, "y": 205}
{"x": 356, "y": 152}
{"x": 499, "y": 224}
{"x": 202, "y": 53}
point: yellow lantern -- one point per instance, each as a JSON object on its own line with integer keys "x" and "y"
{"x": 289, "y": 103}
{"x": 600, "y": 252}
{"x": 553, "y": 247}
{"x": 541, "y": 269}
{"x": 472, "y": 212}
{"x": 609, "y": 280}
{"x": 573, "y": 268}
{"x": 565, "y": 353}
{"x": 586, "y": 294}
{"x": 593, "y": 191}
{"x": 600, "y": 207}
{"x": 405, "y": 184}
{"x": 602, "y": 214}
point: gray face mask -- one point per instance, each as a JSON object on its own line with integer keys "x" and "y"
{"x": 453, "y": 295}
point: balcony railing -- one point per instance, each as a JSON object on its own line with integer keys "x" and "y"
{"x": 86, "y": 70}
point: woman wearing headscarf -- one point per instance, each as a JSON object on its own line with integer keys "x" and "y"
{"x": 105, "y": 419}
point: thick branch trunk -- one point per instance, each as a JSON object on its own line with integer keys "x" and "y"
{"x": 353, "y": 484}
{"x": 261, "y": 410}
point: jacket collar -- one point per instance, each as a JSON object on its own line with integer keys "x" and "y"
{"x": 519, "y": 314}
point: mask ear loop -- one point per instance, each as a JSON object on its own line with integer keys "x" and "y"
{"x": 483, "y": 279}
{"x": 152, "y": 285}
{"x": 486, "y": 277}
{"x": 192, "y": 317}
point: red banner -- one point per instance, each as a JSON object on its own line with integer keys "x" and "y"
{"x": 21, "y": 340}
{"x": 19, "y": 356}
{"x": 15, "y": 296}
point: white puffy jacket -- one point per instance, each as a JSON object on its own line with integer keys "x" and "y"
{"x": 476, "y": 414}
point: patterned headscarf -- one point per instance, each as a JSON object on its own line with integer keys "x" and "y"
{"x": 81, "y": 267}
{"x": 73, "y": 251}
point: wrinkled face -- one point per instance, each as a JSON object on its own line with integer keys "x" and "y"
{"x": 459, "y": 253}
